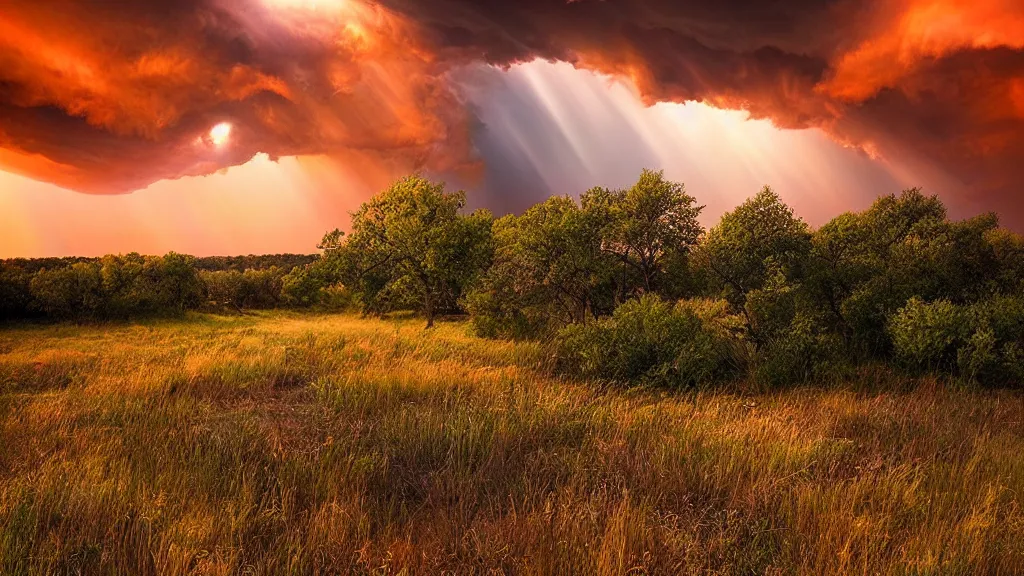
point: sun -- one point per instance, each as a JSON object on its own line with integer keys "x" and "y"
{"x": 219, "y": 134}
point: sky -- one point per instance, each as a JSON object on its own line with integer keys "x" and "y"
{"x": 254, "y": 126}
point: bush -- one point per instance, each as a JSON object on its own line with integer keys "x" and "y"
{"x": 983, "y": 341}
{"x": 995, "y": 351}
{"x": 252, "y": 289}
{"x": 71, "y": 292}
{"x": 223, "y": 287}
{"x": 174, "y": 283}
{"x": 498, "y": 312}
{"x": 927, "y": 335}
{"x": 649, "y": 341}
{"x": 301, "y": 287}
{"x": 15, "y": 294}
{"x": 337, "y": 298}
{"x": 801, "y": 352}
{"x": 771, "y": 310}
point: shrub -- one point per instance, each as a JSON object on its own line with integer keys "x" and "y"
{"x": 978, "y": 355}
{"x": 995, "y": 351}
{"x": 69, "y": 292}
{"x": 15, "y": 295}
{"x": 301, "y": 287}
{"x": 496, "y": 311}
{"x": 928, "y": 334}
{"x": 1005, "y": 315}
{"x": 337, "y": 297}
{"x": 1011, "y": 362}
{"x": 801, "y": 352}
{"x": 223, "y": 287}
{"x": 771, "y": 309}
{"x": 172, "y": 283}
{"x": 648, "y": 341}
{"x": 983, "y": 341}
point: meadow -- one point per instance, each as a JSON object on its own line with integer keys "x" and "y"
{"x": 287, "y": 443}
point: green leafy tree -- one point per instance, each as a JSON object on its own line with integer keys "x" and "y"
{"x": 650, "y": 222}
{"x": 301, "y": 287}
{"x": 865, "y": 266}
{"x": 1008, "y": 253}
{"x": 15, "y": 294}
{"x": 122, "y": 286}
{"x": 761, "y": 245}
{"x": 549, "y": 270}
{"x": 74, "y": 291}
{"x": 410, "y": 244}
{"x": 224, "y": 288}
{"x": 173, "y": 282}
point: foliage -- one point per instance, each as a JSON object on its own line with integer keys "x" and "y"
{"x": 866, "y": 266}
{"x": 252, "y": 289}
{"x": 981, "y": 341}
{"x": 254, "y": 262}
{"x": 15, "y": 294}
{"x": 112, "y": 287}
{"x": 648, "y": 340}
{"x": 548, "y": 271}
{"x": 410, "y": 244}
{"x": 803, "y": 351}
{"x": 302, "y": 286}
{"x": 928, "y": 334}
{"x": 68, "y": 292}
{"x": 644, "y": 226}
{"x": 759, "y": 243}
{"x": 563, "y": 261}
{"x": 899, "y": 282}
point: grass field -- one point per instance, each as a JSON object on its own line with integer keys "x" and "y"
{"x": 300, "y": 444}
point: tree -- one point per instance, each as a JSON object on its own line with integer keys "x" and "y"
{"x": 839, "y": 262}
{"x": 224, "y": 287}
{"x": 15, "y": 295}
{"x": 647, "y": 223}
{"x": 411, "y": 244}
{"x": 549, "y": 270}
{"x": 865, "y": 266}
{"x": 301, "y": 287}
{"x": 122, "y": 287}
{"x": 1008, "y": 251}
{"x": 173, "y": 282}
{"x": 69, "y": 292}
{"x": 759, "y": 245}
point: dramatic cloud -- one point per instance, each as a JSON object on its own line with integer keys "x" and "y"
{"x": 109, "y": 96}
{"x": 934, "y": 83}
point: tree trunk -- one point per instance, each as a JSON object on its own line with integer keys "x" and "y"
{"x": 428, "y": 309}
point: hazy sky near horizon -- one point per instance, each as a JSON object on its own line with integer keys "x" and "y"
{"x": 254, "y": 126}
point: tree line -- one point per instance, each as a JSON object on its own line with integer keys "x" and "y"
{"x": 626, "y": 284}
{"x": 132, "y": 285}
{"x": 629, "y": 286}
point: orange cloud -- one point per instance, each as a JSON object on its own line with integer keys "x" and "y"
{"x": 110, "y": 97}
{"x": 125, "y": 95}
{"x": 921, "y": 30}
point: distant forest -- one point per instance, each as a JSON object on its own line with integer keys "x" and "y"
{"x": 209, "y": 263}
{"x": 623, "y": 284}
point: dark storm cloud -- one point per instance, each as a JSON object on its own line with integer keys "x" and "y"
{"x": 96, "y": 95}
{"x": 112, "y": 96}
{"x": 942, "y": 80}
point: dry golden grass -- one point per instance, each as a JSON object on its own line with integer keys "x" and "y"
{"x": 287, "y": 444}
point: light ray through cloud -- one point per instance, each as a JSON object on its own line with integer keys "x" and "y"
{"x": 575, "y": 129}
